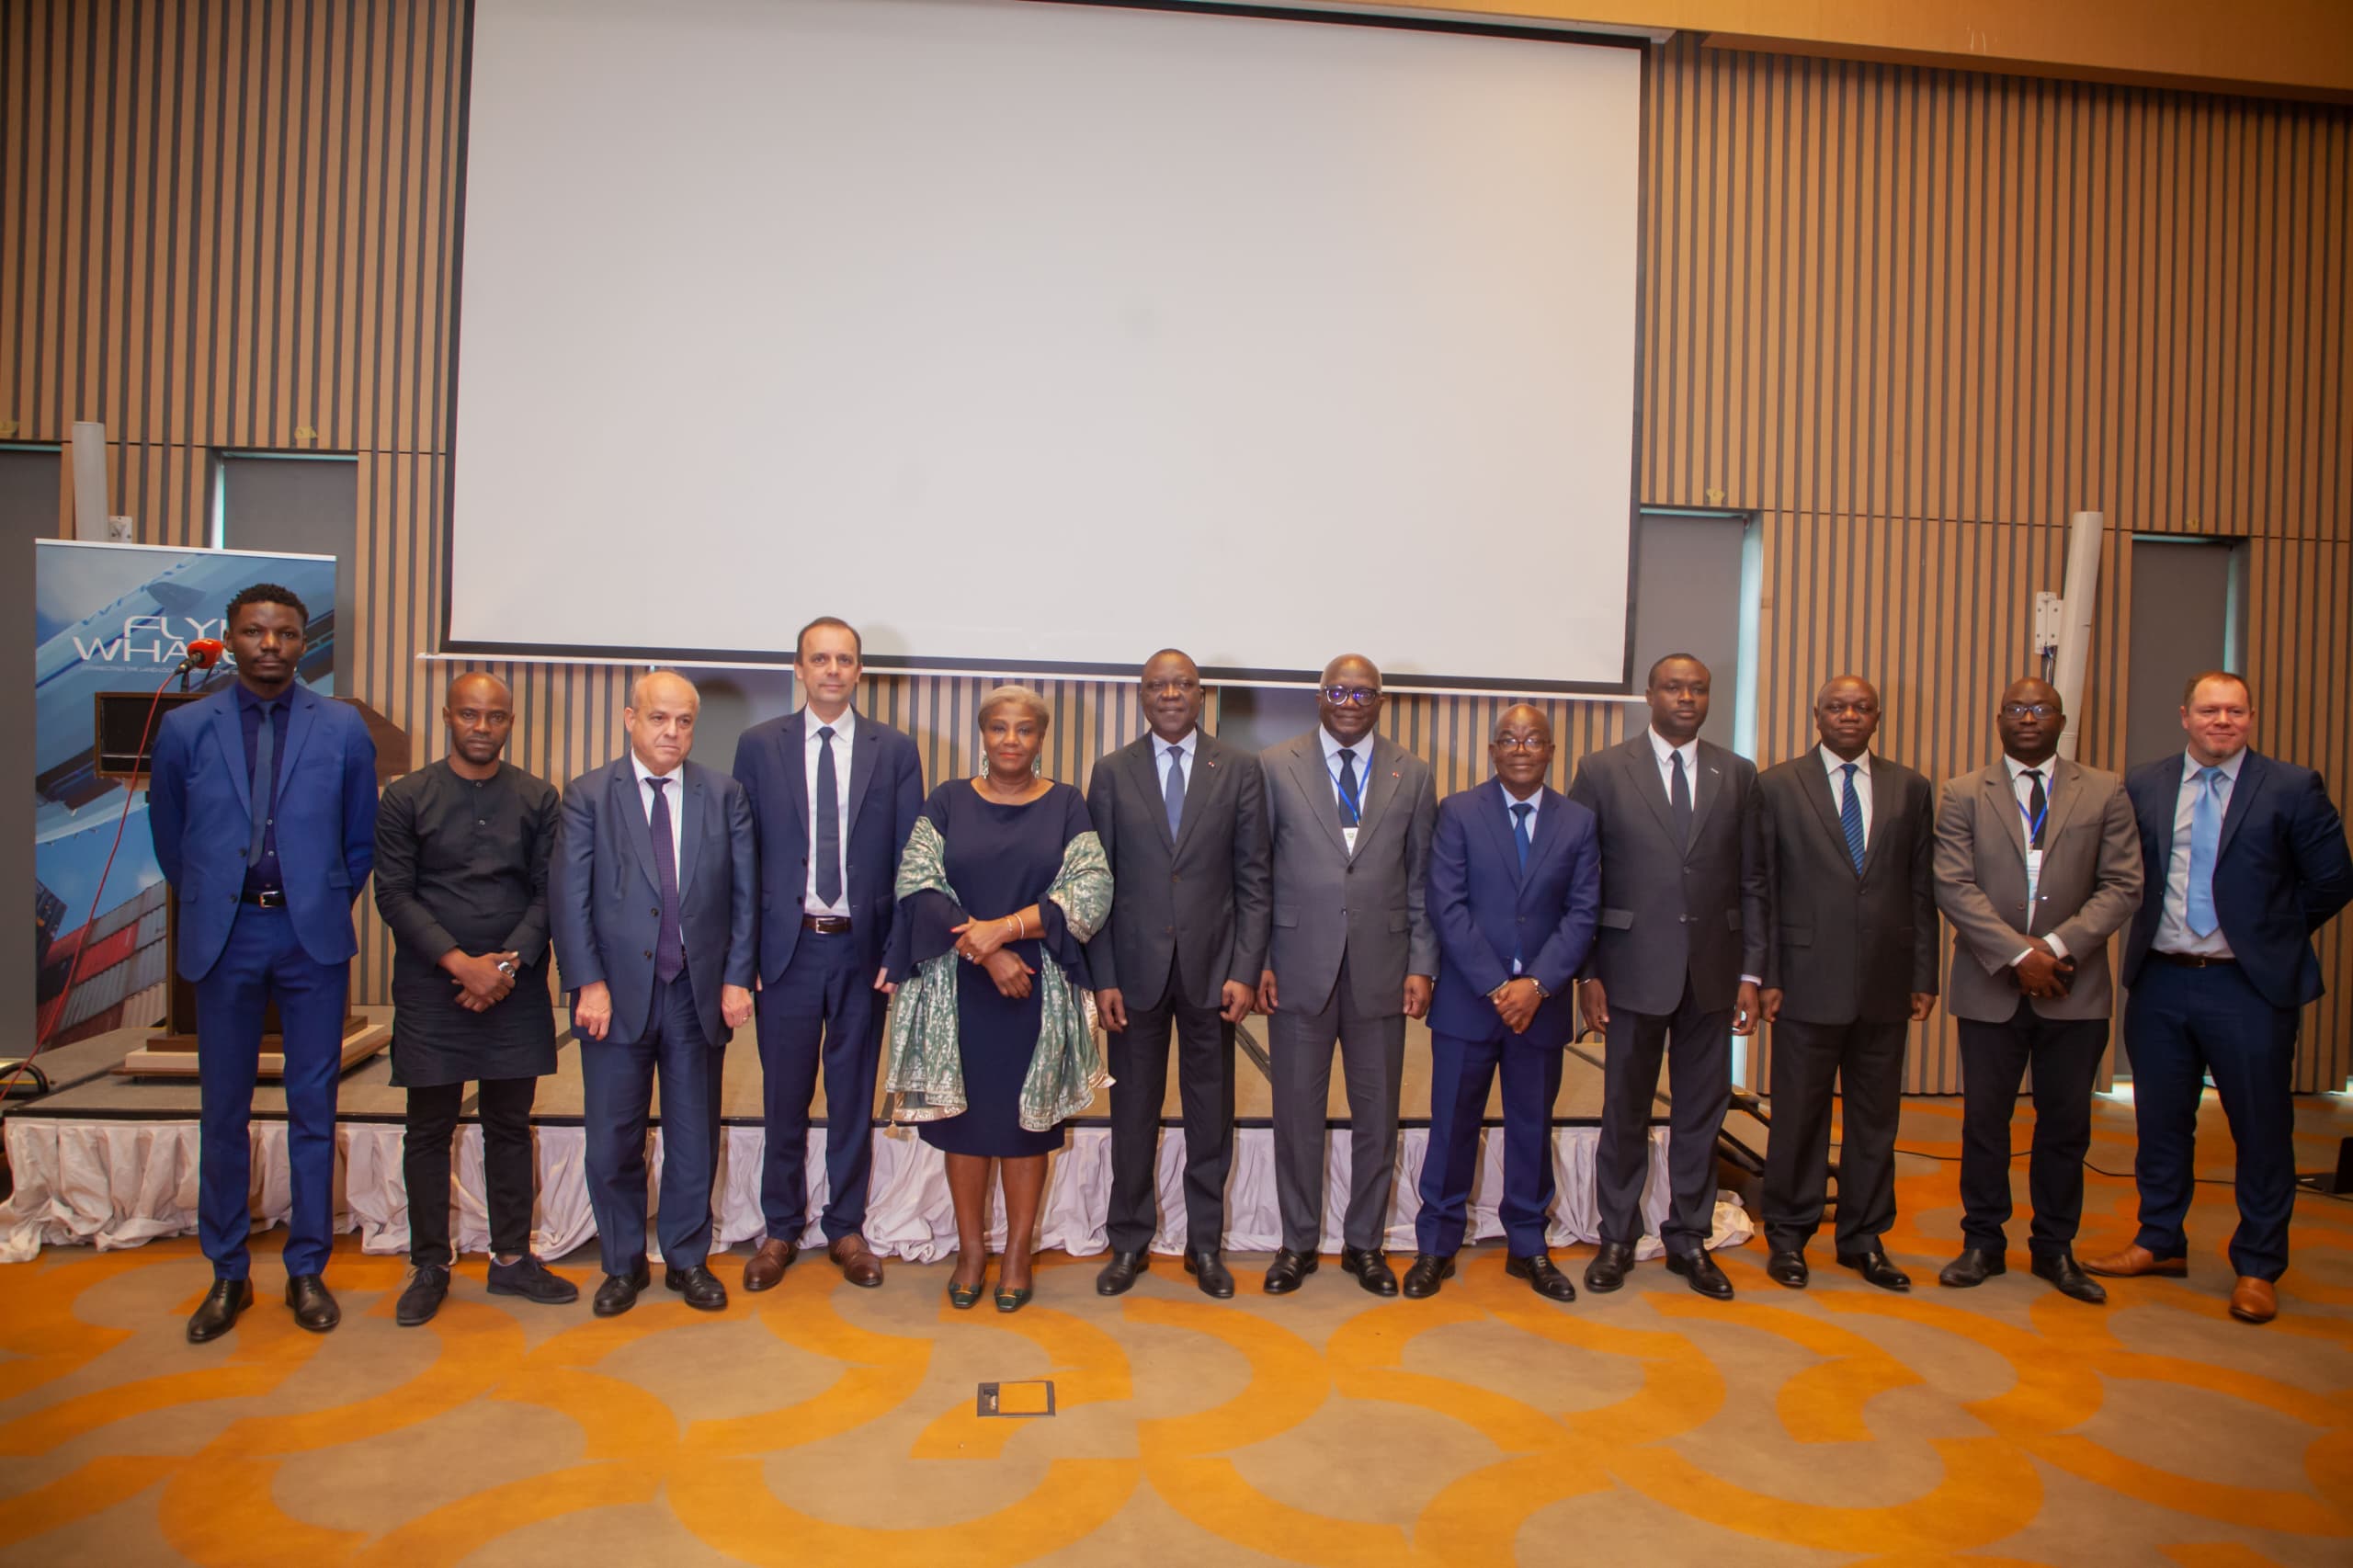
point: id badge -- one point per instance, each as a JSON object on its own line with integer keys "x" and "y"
{"x": 2033, "y": 878}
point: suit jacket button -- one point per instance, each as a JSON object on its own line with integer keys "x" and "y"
{"x": 649, "y": 952}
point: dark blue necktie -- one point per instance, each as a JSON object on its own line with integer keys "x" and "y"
{"x": 1521, "y": 812}
{"x": 1350, "y": 810}
{"x": 1850, "y": 817}
{"x": 1172, "y": 794}
{"x": 669, "y": 945}
{"x": 1678, "y": 803}
{"x": 265, "y": 784}
{"x": 829, "y": 822}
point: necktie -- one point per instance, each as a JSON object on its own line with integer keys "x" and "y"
{"x": 1172, "y": 794}
{"x": 2038, "y": 806}
{"x": 1521, "y": 812}
{"x": 265, "y": 784}
{"x": 1678, "y": 803}
{"x": 669, "y": 944}
{"x": 2205, "y": 836}
{"x": 829, "y": 822}
{"x": 1850, "y": 817}
{"x": 1350, "y": 809}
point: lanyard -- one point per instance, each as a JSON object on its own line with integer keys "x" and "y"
{"x": 2034, "y": 823}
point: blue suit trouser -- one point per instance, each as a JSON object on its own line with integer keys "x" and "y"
{"x": 1461, "y": 1071}
{"x": 264, "y": 961}
{"x": 823, "y": 1008}
{"x": 2181, "y": 1025}
{"x": 615, "y": 1094}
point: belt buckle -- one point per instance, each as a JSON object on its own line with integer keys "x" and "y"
{"x": 270, "y": 898}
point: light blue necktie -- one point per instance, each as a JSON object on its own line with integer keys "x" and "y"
{"x": 1173, "y": 794}
{"x": 1850, "y": 817}
{"x": 2205, "y": 838}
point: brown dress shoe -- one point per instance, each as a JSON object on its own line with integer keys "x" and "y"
{"x": 766, "y": 1270}
{"x": 2253, "y": 1301}
{"x": 2135, "y": 1261}
{"x": 858, "y": 1266}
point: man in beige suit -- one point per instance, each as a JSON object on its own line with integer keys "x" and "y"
{"x": 2037, "y": 864}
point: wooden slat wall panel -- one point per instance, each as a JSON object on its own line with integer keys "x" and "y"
{"x": 1910, "y": 319}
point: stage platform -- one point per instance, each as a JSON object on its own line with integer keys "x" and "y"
{"x": 110, "y": 1160}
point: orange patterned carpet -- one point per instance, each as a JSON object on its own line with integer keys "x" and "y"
{"x": 820, "y": 1424}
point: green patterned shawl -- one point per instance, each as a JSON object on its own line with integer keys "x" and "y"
{"x": 925, "y": 1072}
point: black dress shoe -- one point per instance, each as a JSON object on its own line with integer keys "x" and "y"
{"x": 2068, "y": 1276}
{"x": 1210, "y": 1272}
{"x": 1699, "y": 1271}
{"x": 1372, "y": 1269}
{"x": 1787, "y": 1267}
{"x": 528, "y": 1278}
{"x": 1422, "y": 1279}
{"x": 313, "y": 1308}
{"x": 1542, "y": 1278}
{"x": 619, "y": 1293}
{"x": 1974, "y": 1266}
{"x": 698, "y": 1285}
{"x": 428, "y": 1287}
{"x": 1289, "y": 1271}
{"x": 217, "y": 1313}
{"x": 1121, "y": 1272}
{"x": 1875, "y": 1270}
{"x": 1608, "y": 1269}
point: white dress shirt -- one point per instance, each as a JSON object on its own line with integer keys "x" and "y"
{"x": 1838, "y": 766}
{"x": 1690, "y": 751}
{"x": 843, "y": 727}
{"x": 1363, "y": 758}
{"x": 2174, "y": 935}
{"x": 678, "y": 794}
{"x": 2022, "y": 790}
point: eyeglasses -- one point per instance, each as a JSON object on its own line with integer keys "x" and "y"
{"x": 1523, "y": 742}
{"x": 2029, "y": 710}
{"x": 1351, "y": 696}
{"x": 1183, "y": 683}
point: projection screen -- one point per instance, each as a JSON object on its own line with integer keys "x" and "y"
{"x": 1032, "y": 337}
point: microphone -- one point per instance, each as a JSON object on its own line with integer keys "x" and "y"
{"x": 202, "y": 655}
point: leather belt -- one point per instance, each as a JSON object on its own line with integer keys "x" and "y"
{"x": 2190, "y": 961}
{"x": 826, "y": 924}
{"x": 266, "y": 898}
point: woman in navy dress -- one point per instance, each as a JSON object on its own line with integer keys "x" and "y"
{"x": 1002, "y": 884}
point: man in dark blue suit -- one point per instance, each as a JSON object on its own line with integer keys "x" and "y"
{"x": 2245, "y": 859}
{"x": 650, "y": 901}
{"x": 263, "y": 805}
{"x": 1514, "y": 889}
{"x": 833, "y": 796}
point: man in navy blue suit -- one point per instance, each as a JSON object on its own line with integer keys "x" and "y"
{"x": 652, "y": 902}
{"x": 2245, "y": 859}
{"x": 263, "y": 805}
{"x": 1514, "y": 889}
{"x": 833, "y": 796}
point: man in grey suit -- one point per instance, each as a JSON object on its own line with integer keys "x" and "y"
{"x": 1849, "y": 854}
{"x": 2037, "y": 864}
{"x": 652, "y": 899}
{"x": 1675, "y": 963}
{"x": 1351, "y": 955}
{"x": 1183, "y": 821}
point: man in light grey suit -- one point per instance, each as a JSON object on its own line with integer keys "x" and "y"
{"x": 1351, "y": 955}
{"x": 1675, "y": 963}
{"x": 2037, "y": 864}
{"x": 652, "y": 896}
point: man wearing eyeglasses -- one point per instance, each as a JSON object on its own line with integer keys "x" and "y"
{"x": 1183, "y": 821}
{"x": 2037, "y": 864}
{"x": 2244, "y": 858}
{"x": 1351, "y": 956}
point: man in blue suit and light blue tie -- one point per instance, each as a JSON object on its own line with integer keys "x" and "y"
{"x": 834, "y": 795}
{"x": 263, "y": 804}
{"x": 2245, "y": 859}
{"x": 1514, "y": 889}
{"x": 652, "y": 902}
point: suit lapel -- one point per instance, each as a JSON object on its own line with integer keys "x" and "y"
{"x": 1201, "y": 780}
{"x": 1494, "y": 811}
{"x": 1643, "y": 759}
{"x": 2242, "y": 793}
{"x": 1381, "y": 778}
{"x": 1884, "y": 805}
{"x": 1704, "y": 789}
{"x": 793, "y": 741}
{"x": 692, "y": 808}
{"x": 862, "y": 750}
{"x": 301, "y": 714}
{"x": 2067, "y": 783}
{"x": 1825, "y": 797}
{"x": 1315, "y": 783}
{"x": 1145, "y": 766}
{"x": 229, "y": 726}
{"x": 628, "y": 803}
{"x": 2002, "y": 799}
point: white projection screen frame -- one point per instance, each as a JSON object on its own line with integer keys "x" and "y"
{"x": 1032, "y": 337}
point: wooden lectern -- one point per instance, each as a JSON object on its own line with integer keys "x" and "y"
{"x": 172, "y": 1053}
